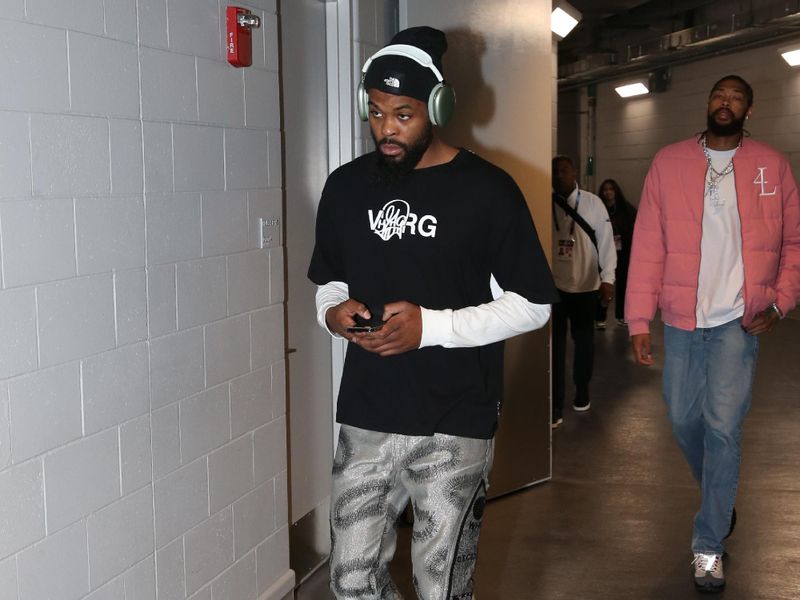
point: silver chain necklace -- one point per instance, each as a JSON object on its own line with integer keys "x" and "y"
{"x": 714, "y": 177}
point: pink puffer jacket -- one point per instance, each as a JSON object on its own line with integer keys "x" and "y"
{"x": 665, "y": 259}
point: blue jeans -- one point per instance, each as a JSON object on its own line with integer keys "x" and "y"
{"x": 708, "y": 377}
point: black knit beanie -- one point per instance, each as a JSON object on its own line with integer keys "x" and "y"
{"x": 404, "y": 76}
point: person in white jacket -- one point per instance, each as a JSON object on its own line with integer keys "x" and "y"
{"x": 584, "y": 261}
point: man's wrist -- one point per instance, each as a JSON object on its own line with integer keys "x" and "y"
{"x": 777, "y": 310}
{"x": 323, "y": 319}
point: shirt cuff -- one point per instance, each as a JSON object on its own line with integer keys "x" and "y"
{"x": 437, "y": 327}
{"x": 329, "y": 295}
{"x": 608, "y": 277}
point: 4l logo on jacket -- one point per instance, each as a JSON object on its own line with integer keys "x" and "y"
{"x": 761, "y": 179}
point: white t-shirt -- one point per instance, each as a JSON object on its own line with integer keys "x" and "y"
{"x": 574, "y": 256}
{"x": 719, "y": 289}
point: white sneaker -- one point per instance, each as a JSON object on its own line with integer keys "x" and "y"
{"x": 599, "y": 324}
{"x": 708, "y": 575}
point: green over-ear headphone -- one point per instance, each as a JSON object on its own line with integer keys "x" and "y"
{"x": 442, "y": 99}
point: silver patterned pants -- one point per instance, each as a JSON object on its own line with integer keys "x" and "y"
{"x": 374, "y": 476}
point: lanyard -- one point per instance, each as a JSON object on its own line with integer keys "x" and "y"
{"x": 572, "y": 226}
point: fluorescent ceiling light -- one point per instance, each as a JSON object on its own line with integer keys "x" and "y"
{"x": 562, "y": 23}
{"x": 632, "y": 89}
{"x": 791, "y": 55}
{"x": 564, "y": 18}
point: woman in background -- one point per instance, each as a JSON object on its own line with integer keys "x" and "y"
{"x": 622, "y": 215}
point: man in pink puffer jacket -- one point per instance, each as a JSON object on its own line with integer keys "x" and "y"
{"x": 716, "y": 247}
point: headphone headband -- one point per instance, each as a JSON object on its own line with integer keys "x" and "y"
{"x": 411, "y": 52}
{"x": 442, "y": 98}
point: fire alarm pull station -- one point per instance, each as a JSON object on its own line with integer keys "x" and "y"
{"x": 240, "y": 40}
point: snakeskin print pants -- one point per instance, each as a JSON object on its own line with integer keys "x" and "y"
{"x": 374, "y": 476}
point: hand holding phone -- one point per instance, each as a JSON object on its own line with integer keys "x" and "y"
{"x": 362, "y": 325}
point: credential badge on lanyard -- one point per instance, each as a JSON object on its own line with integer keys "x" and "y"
{"x": 565, "y": 249}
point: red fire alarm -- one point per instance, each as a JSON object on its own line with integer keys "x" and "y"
{"x": 239, "y": 43}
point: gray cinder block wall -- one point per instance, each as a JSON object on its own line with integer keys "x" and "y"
{"x": 142, "y": 385}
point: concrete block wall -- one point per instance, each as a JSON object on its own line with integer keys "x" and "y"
{"x": 142, "y": 384}
{"x": 630, "y": 131}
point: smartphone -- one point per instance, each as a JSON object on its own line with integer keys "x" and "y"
{"x": 364, "y": 328}
{"x": 363, "y": 325}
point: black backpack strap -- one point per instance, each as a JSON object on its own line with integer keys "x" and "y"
{"x": 577, "y": 218}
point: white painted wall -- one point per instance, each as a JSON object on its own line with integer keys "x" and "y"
{"x": 142, "y": 394}
{"x": 629, "y": 132}
{"x": 306, "y": 147}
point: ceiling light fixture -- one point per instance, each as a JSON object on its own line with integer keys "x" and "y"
{"x": 564, "y": 18}
{"x": 791, "y": 54}
{"x": 633, "y": 88}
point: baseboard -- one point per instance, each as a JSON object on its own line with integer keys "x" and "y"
{"x": 282, "y": 589}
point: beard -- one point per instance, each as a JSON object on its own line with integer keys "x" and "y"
{"x": 392, "y": 169}
{"x": 732, "y": 128}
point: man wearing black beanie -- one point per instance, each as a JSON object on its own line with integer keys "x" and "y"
{"x": 426, "y": 259}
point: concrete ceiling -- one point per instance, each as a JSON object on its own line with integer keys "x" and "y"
{"x": 617, "y": 37}
{"x": 605, "y": 21}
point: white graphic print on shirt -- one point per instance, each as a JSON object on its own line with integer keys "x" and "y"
{"x": 396, "y": 218}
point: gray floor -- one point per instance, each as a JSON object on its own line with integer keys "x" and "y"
{"x": 615, "y": 521}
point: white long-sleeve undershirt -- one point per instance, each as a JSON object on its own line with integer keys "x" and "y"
{"x": 509, "y": 314}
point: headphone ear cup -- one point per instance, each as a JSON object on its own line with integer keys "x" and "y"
{"x": 441, "y": 104}
{"x": 362, "y": 102}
